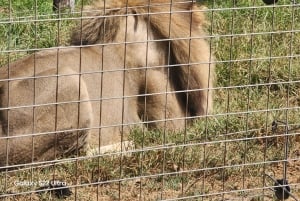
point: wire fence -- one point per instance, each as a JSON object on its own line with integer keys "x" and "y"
{"x": 149, "y": 100}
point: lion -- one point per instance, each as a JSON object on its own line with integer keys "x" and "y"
{"x": 131, "y": 64}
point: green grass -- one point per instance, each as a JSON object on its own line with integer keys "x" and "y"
{"x": 213, "y": 155}
{"x": 28, "y": 25}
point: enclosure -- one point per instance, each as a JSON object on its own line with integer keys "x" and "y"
{"x": 239, "y": 150}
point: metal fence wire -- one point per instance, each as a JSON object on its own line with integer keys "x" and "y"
{"x": 149, "y": 100}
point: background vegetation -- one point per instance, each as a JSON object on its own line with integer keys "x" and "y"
{"x": 223, "y": 156}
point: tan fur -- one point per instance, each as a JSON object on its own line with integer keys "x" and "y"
{"x": 112, "y": 86}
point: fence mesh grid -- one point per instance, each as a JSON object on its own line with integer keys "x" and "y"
{"x": 149, "y": 100}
